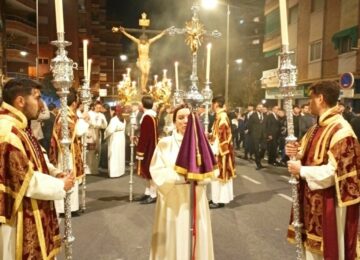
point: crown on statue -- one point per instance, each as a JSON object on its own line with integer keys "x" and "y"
{"x": 161, "y": 90}
{"x": 126, "y": 89}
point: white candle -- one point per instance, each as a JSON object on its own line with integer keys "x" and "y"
{"x": 176, "y": 75}
{"x": 164, "y": 74}
{"x": 155, "y": 78}
{"x": 208, "y": 63}
{"x": 85, "y": 58}
{"x": 59, "y": 16}
{"x": 283, "y": 22}
{"x": 128, "y": 71}
{"x": 89, "y": 69}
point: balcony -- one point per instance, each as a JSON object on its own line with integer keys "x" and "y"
{"x": 21, "y": 26}
{"x": 22, "y": 5}
{"x": 13, "y": 54}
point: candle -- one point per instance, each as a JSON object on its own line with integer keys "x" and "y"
{"x": 128, "y": 71}
{"x": 59, "y": 16}
{"x": 89, "y": 69}
{"x": 208, "y": 62}
{"x": 85, "y": 58}
{"x": 164, "y": 75}
{"x": 155, "y": 78}
{"x": 283, "y": 22}
{"x": 176, "y": 75}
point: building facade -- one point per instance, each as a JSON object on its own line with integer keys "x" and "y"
{"x": 324, "y": 36}
{"x": 84, "y": 19}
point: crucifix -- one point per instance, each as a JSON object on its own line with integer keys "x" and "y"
{"x": 143, "y": 43}
{"x": 195, "y": 32}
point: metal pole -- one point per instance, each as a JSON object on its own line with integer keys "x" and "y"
{"x": 207, "y": 94}
{"x": 227, "y": 67}
{"x": 86, "y": 100}
{"x": 113, "y": 76}
{"x": 37, "y": 40}
{"x": 287, "y": 79}
{"x": 62, "y": 68}
{"x": 132, "y": 150}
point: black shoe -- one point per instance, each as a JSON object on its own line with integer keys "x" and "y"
{"x": 141, "y": 198}
{"x": 213, "y": 205}
{"x": 259, "y": 167}
{"x": 149, "y": 200}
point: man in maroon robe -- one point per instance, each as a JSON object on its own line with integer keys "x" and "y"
{"x": 29, "y": 227}
{"x": 328, "y": 168}
{"x": 145, "y": 148}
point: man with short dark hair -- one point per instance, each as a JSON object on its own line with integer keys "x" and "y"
{"x": 29, "y": 227}
{"x": 328, "y": 170}
{"x": 272, "y": 130}
{"x": 256, "y": 126}
{"x": 306, "y": 120}
{"x": 222, "y": 145}
{"x": 145, "y": 148}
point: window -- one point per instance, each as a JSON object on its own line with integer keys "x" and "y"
{"x": 345, "y": 44}
{"x": 317, "y": 5}
{"x": 315, "y": 51}
{"x": 44, "y": 61}
{"x": 272, "y": 22}
{"x": 44, "y": 39}
{"x": 293, "y": 14}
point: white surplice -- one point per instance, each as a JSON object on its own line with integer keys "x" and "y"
{"x": 221, "y": 192}
{"x": 115, "y": 136}
{"x": 170, "y": 237}
{"x": 97, "y": 122}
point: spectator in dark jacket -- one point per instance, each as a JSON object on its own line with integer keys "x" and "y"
{"x": 306, "y": 120}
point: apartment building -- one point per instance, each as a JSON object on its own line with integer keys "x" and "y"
{"x": 324, "y": 36}
{"x": 84, "y": 19}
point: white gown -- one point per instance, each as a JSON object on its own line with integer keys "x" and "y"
{"x": 115, "y": 136}
{"x": 221, "y": 192}
{"x": 170, "y": 234}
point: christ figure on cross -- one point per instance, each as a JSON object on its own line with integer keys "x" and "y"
{"x": 143, "y": 61}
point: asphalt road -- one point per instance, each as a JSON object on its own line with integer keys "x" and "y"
{"x": 253, "y": 226}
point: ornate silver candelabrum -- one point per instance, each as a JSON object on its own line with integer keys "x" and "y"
{"x": 85, "y": 97}
{"x": 287, "y": 78}
{"x": 132, "y": 151}
{"x": 208, "y": 95}
{"x": 178, "y": 97}
{"x": 62, "y": 68}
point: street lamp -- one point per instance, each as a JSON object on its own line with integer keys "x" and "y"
{"x": 211, "y": 4}
{"x": 123, "y": 58}
{"x": 23, "y": 53}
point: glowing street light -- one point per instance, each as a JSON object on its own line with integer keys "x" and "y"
{"x": 209, "y": 4}
{"x": 123, "y": 57}
{"x": 239, "y": 61}
{"x": 23, "y": 53}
